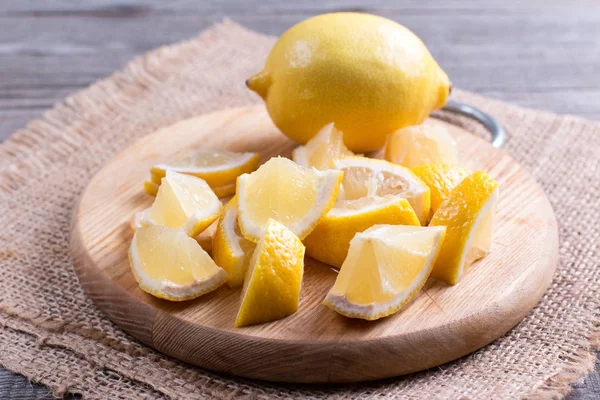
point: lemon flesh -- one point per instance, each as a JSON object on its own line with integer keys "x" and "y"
{"x": 468, "y": 215}
{"x": 216, "y": 167}
{"x": 230, "y": 250}
{"x": 186, "y": 202}
{"x": 322, "y": 149}
{"x": 367, "y": 177}
{"x": 441, "y": 180}
{"x": 428, "y": 143}
{"x": 170, "y": 265}
{"x": 330, "y": 240}
{"x": 274, "y": 277}
{"x": 385, "y": 268}
{"x": 367, "y": 74}
{"x": 296, "y": 196}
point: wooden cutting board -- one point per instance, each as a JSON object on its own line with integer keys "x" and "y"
{"x": 315, "y": 344}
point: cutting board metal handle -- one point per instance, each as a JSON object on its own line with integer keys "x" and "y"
{"x": 489, "y": 122}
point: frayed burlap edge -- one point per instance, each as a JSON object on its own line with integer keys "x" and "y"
{"x": 20, "y": 157}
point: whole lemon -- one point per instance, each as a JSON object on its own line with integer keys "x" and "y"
{"x": 367, "y": 74}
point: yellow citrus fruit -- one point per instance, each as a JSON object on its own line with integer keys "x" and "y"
{"x": 231, "y": 250}
{"x": 330, "y": 240}
{"x": 327, "y": 145}
{"x": 216, "y": 167}
{"x": 387, "y": 265}
{"x": 185, "y": 202}
{"x": 151, "y": 188}
{"x": 368, "y": 177}
{"x": 429, "y": 143}
{"x": 468, "y": 215}
{"x": 138, "y": 218}
{"x": 274, "y": 277}
{"x": 441, "y": 179}
{"x": 296, "y": 196}
{"x": 367, "y": 74}
{"x": 170, "y": 265}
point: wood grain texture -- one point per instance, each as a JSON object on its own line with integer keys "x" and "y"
{"x": 315, "y": 344}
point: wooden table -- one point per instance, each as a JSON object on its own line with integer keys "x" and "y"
{"x": 508, "y": 49}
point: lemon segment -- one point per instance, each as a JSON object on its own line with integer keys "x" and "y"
{"x": 429, "y": 143}
{"x": 320, "y": 151}
{"x": 274, "y": 277}
{"x": 231, "y": 250}
{"x": 151, "y": 188}
{"x": 330, "y": 240}
{"x": 216, "y": 167}
{"x": 468, "y": 215}
{"x": 386, "y": 266}
{"x": 296, "y": 196}
{"x": 138, "y": 218}
{"x": 186, "y": 202}
{"x": 170, "y": 265}
{"x": 368, "y": 177}
{"x": 441, "y": 179}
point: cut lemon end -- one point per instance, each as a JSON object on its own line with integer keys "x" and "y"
{"x": 296, "y": 196}
{"x": 429, "y": 143}
{"x": 386, "y": 266}
{"x": 330, "y": 240}
{"x": 441, "y": 180}
{"x": 468, "y": 215}
{"x": 325, "y": 146}
{"x": 170, "y": 265}
{"x": 274, "y": 277}
{"x": 367, "y": 177}
{"x": 216, "y": 167}
{"x": 231, "y": 251}
{"x": 184, "y": 202}
{"x": 138, "y": 218}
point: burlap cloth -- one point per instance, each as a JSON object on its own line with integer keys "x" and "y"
{"x": 52, "y": 333}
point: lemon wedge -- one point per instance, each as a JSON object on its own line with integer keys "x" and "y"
{"x": 429, "y": 143}
{"x": 296, "y": 196}
{"x": 330, "y": 240}
{"x": 368, "y": 177}
{"x": 325, "y": 146}
{"x": 468, "y": 215}
{"x": 231, "y": 250}
{"x": 274, "y": 277}
{"x": 170, "y": 265}
{"x": 387, "y": 265}
{"x": 151, "y": 188}
{"x": 441, "y": 179}
{"x": 216, "y": 167}
{"x": 138, "y": 218}
{"x": 184, "y": 201}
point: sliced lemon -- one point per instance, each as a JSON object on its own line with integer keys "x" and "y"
{"x": 274, "y": 277}
{"x": 151, "y": 188}
{"x": 330, "y": 240}
{"x": 170, "y": 265}
{"x": 138, "y": 218}
{"x": 216, "y": 167}
{"x": 184, "y": 201}
{"x": 441, "y": 179}
{"x": 325, "y": 146}
{"x": 368, "y": 177}
{"x": 296, "y": 196}
{"x": 386, "y": 267}
{"x": 231, "y": 250}
{"x": 468, "y": 215}
{"x": 429, "y": 143}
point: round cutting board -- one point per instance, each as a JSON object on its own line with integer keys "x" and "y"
{"x": 315, "y": 344}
